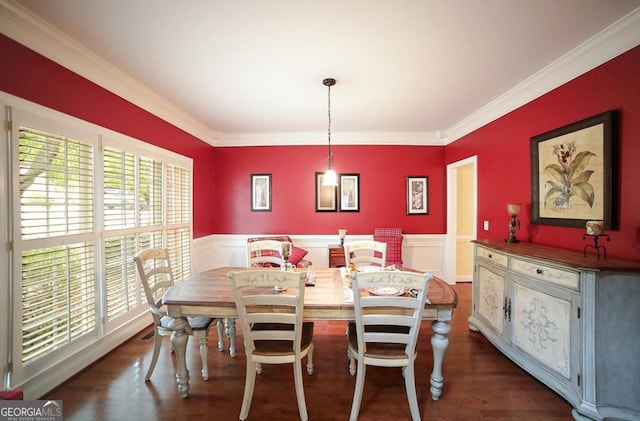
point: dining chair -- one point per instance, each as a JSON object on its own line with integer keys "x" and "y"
{"x": 388, "y": 312}
{"x": 365, "y": 253}
{"x": 264, "y": 253}
{"x": 154, "y": 269}
{"x": 272, "y": 326}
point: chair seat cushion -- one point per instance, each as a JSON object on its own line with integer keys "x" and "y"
{"x": 268, "y": 347}
{"x": 196, "y": 323}
{"x": 379, "y": 349}
{"x": 199, "y": 323}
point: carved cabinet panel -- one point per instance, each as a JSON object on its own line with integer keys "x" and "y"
{"x": 541, "y": 325}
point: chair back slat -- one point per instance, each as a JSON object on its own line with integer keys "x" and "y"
{"x": 365, "y": 253}
{"x": 264, "y": 252}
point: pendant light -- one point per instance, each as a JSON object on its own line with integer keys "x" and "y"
{"x": 330, "y": 178}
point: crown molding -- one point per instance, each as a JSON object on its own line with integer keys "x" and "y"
{"x": 30, "y": 30}
{"x": 337, "y": 138}
{"x": 618, "y": 38}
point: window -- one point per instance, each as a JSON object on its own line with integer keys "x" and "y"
{"x": 84, "y": 202}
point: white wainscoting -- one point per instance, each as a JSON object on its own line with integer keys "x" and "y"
{"x": 419, "y": 251}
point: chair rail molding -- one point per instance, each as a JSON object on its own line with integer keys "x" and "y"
{"x": 423, "y": 252}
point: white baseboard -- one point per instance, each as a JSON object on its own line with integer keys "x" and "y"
{"x": 36, "y": 387}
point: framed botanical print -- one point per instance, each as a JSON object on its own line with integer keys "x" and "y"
{"x": 418, "y": 195}
{"x": 325, "y": 195}
{"x": 349, "y": 192}
{"x": 260, "y": 192}
{"x": 574, "y": 173}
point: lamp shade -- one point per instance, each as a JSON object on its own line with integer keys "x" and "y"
{"x": 513, "y": 208}
{"x": 330, "y": 178}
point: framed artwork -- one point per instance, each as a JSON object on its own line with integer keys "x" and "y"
{"x": 349, "y": 192}
{"x": 418, "y": 195}
{"x": 574, "y": 173}
{"x": 260, "y": 192}
{"x": 325, "y": 195}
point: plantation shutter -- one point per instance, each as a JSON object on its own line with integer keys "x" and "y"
{"x": 178, "y": 211}
{"x": 119, "y": 189}
{"x": 57, "y": 273}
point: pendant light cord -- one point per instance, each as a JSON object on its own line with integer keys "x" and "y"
{"x": 330, "y": 158}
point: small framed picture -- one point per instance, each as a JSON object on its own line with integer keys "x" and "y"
{"x": 418, "y": 195}
{"x": 349, "y": 192}
{"x": 325, "y": 195}
{"x": 260, "y": 192}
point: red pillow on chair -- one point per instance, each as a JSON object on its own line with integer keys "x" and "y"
{"x": 297, "y": 254}
{"x": 393, "y": 238}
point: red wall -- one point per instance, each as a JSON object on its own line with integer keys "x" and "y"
{"x": 382, "y": 169}
{"x": 31, "y": 76}
{"x": 502, "y": 148}
{"x": 222, "y": 175}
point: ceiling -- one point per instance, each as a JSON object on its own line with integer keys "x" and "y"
{"x": 251, "y": 71}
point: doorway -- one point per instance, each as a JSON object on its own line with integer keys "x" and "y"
{"x": 462, "y": 209}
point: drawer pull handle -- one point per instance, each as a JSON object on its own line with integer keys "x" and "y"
{"x": 490, "y": 256}
{"x": 539, "y": 271}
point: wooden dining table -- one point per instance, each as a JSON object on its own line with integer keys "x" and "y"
{"x": 210, "y": 294}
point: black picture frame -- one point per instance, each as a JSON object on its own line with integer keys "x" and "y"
{"x": 417, "y": 195}
{"x": 260, "y": 192}
{"x": 349, "y": 192}
{"x": 326, "y": 196}
{"x": 574, "y": 173}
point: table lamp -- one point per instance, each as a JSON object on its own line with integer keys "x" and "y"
{"x": 513, "y": 209}
{"x": 342, "y": 234}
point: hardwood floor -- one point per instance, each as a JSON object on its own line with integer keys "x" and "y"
{"x": 480, "y": 383}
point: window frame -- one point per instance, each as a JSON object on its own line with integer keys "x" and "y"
{"x": 24, "y": 113}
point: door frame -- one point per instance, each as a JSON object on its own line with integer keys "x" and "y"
{"x": 450, "y": 256}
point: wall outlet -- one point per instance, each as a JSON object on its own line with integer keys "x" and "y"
{"x": 486, "y": 225}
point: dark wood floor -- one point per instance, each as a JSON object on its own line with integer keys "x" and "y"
{"x": 480, "y": 384}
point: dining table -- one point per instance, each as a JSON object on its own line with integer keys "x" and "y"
{"x": 210, "y": 294}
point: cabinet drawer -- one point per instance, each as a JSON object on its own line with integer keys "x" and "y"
{"x": 336, "y": 257}
{"x": 496, "y": 257}
{"x": 535, "y": 269}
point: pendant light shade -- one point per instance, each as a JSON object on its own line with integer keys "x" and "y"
{"x": 330, "y": 178}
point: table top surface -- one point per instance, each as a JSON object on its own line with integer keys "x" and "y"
{"x": 212, "y": 288}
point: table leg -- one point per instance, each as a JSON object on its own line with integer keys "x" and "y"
{"x": 179, "y": 338}
{"x": 439, "y": 344}
{"x": 230, "y": 326}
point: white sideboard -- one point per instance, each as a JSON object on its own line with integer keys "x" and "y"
{"x": 571, "y": 321}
